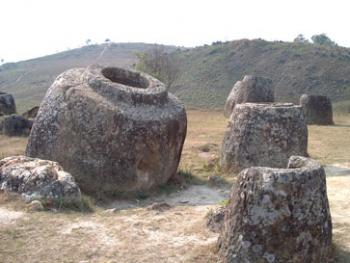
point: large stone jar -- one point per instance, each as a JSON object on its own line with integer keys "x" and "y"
{"x": 116, "y": 131}
{"x": 264, "y": 134}
{"x": 250, "y": 89}
{"x": 318, "y": 109}
{"x": 7, "y": 104}
{"x": 278, "y": 215}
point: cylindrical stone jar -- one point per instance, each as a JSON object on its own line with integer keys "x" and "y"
{"x": 278, "y": 215}
{"x": 116, "y": 131}
{"x": 318, "y": 109}
{"x": 250, "y": 89}
{"x": 263, "y": 134}
{"x": 7, "y": 104}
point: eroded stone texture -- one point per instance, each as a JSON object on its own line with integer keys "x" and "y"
{"x": 37, "y": 179}
{"x": 7, "y": 104}
{"x": 278, "y": 215}
{"x": 117, "y": 131}
{"x": 318, "y": 109}
{"x": 215, "y": 219}
{"x": 250, "y": 89}
{"x": 263, "y": 135}
{"x": 16, "y": 125}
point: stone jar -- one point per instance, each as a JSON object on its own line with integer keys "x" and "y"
{"x": 318, "y": 109}
{"x": 7, "y": 104}
{"x": 263, "y": 134}
{"x": 116, "y": 131}
{"x": 278, "y": 215}
{"x": 16, "y": 125}
{"x": 250, "y": 89}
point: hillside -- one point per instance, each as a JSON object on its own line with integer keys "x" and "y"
{"x": 209, "y": 72}
{"x": 29, "y": 80}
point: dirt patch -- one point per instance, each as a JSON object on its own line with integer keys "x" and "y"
{"x": 194, "y": 195}
{"x": 9, "y": 216}
{"x": 338, "y": 177}
{"x": 98, "y": 230}
{"x": 142, "y": 235}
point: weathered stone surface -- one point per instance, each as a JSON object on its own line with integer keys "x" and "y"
{"x": 35, "y": 206}
{"x": 318, "y": 109}
{"x": 16, "y": 125}
{"x": 215, "y": 219}
{"x": 31, "y": 113}
{"x": 7, "y": 104}
{"x": 250, "y": 89}
{"x": 117, "y": 131}
{"x": 37, "y": 179}
{"x": 263, "y": 135}
{"x": 278, "y": 215}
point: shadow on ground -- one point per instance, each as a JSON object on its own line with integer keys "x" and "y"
{"x": 332, "y": 170}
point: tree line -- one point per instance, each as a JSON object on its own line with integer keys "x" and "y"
{"x": 319, "y": 39}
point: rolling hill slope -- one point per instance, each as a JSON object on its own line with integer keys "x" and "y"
{"x": 207, "y": 73}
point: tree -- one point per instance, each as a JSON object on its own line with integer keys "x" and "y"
{"x": 160, "y": 64}
{"x": 323, "y": 39}
{"x": 2, "y": 61}
{"x": 300, "y": 39}
{"x": 107, "y": 40}
{"x": 88, "y": 41}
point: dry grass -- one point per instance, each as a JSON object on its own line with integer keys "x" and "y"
{"x": 331, "y": 144}
{"x": 204, "y": 136}
{"x": 135, "y": 234}
{"x": 10, "y": 146}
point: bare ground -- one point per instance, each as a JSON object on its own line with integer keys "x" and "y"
{"x": 134, "y": 233}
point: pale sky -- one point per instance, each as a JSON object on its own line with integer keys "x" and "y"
{"x": 32, "y": 28}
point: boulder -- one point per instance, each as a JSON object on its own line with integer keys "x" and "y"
{"x": 118, "y": 131}
{"x": 250, "y": 89}
{"x": 16, "y": 125}
{"x": 7, "y": 104}
{"x": 263, "y": 134}
{"x": 36, "y": 179}
{"x": 318, "y": 109}
{"x": 31, "y": 113}
{"x": 278, "y": 215}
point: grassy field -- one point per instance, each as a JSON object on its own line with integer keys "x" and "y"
{"x": 133, "y": 233}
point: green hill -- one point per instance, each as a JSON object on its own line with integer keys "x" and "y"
{"x": 207, "y": 73}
